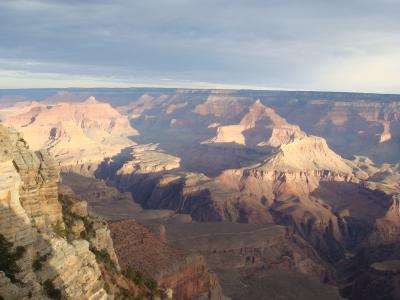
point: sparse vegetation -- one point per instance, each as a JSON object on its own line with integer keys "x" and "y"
{"x": 59, "y": 229}
{"x": 151, "y": 284}
{"x": 51, "y": 290}
{"x": 136, "y": 276}
{"x": 148, "y": 287}
{"x": 8, "y": 258}
{"x": 143, "y": 281}
{"x": 68, "y": 217}
{"x": 102, "y": 256}
{"x": 88, "y": 226}
{"x": 124, "y": 294}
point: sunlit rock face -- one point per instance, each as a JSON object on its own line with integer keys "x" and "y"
{"x": 261, "y": 126}
{"x": 79, "y": 135}
{"x": 221, "y": 104}
{"x": 149, "y": 159}
{"x": 367, "y": 127}
{"x": 31, "y": 219}
{"x": 224, "y": 156}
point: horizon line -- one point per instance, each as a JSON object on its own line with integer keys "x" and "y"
{"x": 202, "y": 89}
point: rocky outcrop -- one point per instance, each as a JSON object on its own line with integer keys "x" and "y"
{"x": 186, "y": 275}
{"x": 31, "y": 220}
{"x": 386, "y": 229}
{"x": 82, "y": 225}
{"x": 237, "y": 252}
{"x": 222, "y": 104}
{"x": 148, "y": 159}
{"x": 305, "y": 194}
{"x": 103, "y": 200}
{"x": 229, "y": 134}
{"x": 261, "y": 126}
{"x": 239, "y": 246}
{"x": 363, "y": 127}
{"x": 79, "y": 135}
{"x": 373, "y": 272}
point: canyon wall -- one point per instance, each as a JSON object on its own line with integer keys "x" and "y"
{"x": 32, "y": 224}
{"x": 186, "y": 275}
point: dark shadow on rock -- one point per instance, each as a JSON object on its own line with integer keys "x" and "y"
{"x": 185, "y": 142}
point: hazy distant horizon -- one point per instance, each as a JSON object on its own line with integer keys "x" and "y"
{"x": 82, "y": 93}
{"x": 196, "y": 88}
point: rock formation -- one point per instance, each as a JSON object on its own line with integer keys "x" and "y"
{"x": 186, "y": 275}
{"x": 148, "y": 159}
{"x": 221, "y": 104}
{"x": 237, "y": 251}
{"x": 79, "y": 135}
{"x": 32, "y": 221}
{"x": 261, "y": 126}
{"x": 51, "y": 248}
{"x": 363, "y": 127}
{"x": 305, "y": 194}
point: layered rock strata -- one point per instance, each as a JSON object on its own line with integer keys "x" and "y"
{"x": 186, "y": 275}
{"x": 261, "y": 126}
{"x": 31, "y": 220}
{"x": 79, "y": 135}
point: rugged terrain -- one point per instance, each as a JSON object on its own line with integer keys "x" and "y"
{"x": 261, "y": 126}
{"x": 186, "y": 275}
{"x": 46, "y": 264}
{"x": 241, "y": 252}
{"x": 51, "y": 248}
{"x": 318, "y": 171}
{"x": 78, "y": 135}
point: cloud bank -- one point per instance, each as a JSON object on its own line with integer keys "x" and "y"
{"x": 340, "y": 45}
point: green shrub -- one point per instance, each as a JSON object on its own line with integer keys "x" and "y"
{"x": 88, "y": 225}
{"x": 135, "y": 275}
{"x": 8, "y": 258}
{"x": 141, "y": 280}
{"x": 102, "y": 256}
{"x": 151, "y": 284}
{"x": 51, "y": 290}
{"x": 59, "y": 229}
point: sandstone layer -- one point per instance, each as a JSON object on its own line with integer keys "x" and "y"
{"x": 261, "y": 126}
{"x": 242, "y": 252}
{"x": 32, "y": 221}
{"x": 186, "y": 275}
{"x": 78, "y": 135}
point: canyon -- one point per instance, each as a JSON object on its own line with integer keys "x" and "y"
{"x": 78, "y": 135}
{"x": 52, "y": 248}
{"x": 213, "y": 193}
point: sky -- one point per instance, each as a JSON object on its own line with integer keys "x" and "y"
{"x": 340, "y": 45}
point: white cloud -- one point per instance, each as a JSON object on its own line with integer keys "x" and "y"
{"x": 348, "y": 45}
